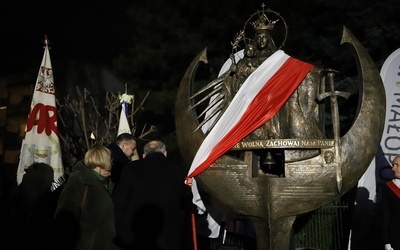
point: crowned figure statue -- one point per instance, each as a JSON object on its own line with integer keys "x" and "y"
{"x": 260, "y": 145}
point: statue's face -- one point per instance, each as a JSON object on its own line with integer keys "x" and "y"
{"x": 250, "y": 51}
{"x": 262, "y": 39}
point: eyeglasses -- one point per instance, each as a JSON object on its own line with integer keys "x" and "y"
{"x": 395, "y": 164}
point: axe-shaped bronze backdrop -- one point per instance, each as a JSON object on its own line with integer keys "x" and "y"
{"x": 285, "y": 165}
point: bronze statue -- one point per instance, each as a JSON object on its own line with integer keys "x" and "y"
{"x": 311, "y": 170}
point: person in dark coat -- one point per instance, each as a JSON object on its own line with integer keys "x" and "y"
{"x": 391, "y": 209}
{"x": 85, "y": 211}
{"x": 123, "y": 151}
{"x": 32, "y": 208}
{"x": 152, "y": 203}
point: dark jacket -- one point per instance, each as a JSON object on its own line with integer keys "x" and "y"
{"x": 85, "y": 213}
{"x": 31, "y": 210}
{"x": 391, "y": 216}
{"x": 151, "y": 204}
{"x": 119, "y": 160}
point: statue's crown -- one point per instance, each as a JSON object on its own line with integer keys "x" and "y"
{"x": 263, "y": 22}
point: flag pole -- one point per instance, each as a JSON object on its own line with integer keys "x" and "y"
{"x": 194, "y": 232}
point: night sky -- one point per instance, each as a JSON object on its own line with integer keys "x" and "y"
{"x": 99, "y": 30}
{"x": 74, "y": 29}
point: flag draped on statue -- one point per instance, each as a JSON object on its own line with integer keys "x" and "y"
{"x": 262, "y": 94}
{"x": 260, "y": 97}
{"x": 41, "y": 142}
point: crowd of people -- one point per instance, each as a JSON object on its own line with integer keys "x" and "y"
{"x": 146, "y": 205}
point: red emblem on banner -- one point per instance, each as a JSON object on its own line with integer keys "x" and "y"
{"x": 44, "y": 117}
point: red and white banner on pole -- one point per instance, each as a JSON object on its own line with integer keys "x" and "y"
{"x": 41, "y": 142}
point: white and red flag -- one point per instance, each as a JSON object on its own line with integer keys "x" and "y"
{"x": 262, "y": 94}
{"x": 260, "y": 97}
{"x": 41, "y": 142}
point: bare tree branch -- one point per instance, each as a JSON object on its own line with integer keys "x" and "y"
{"x": 84, "y": 114}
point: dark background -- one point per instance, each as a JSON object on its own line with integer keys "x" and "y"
{"x": 149, "y": 44}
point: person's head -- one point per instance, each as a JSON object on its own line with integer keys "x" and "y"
{"x": 38, "y": 175}
{"x": 40, "y": 169}
{"x": 98, "y": 158}
{"x": 154, "y": 147}
{"x": 127, "y": 143}
{"x": 396, "y": 167}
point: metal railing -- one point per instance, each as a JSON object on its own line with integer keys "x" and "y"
{"x": 322, "y": 229}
